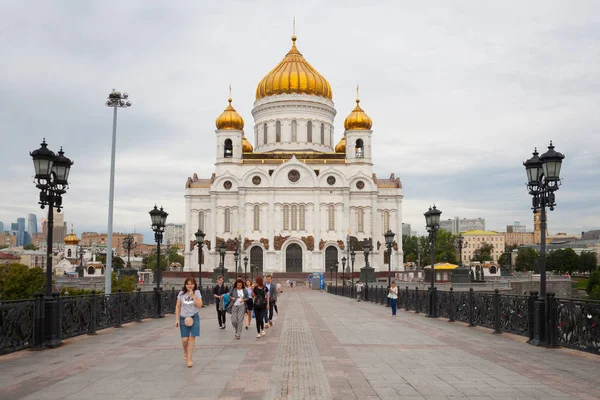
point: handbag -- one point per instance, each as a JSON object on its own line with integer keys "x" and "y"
{"x": 188, "y": 321}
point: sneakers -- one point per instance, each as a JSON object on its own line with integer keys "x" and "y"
{"x": 246, "y": 328}
{"x": 258, "y": 336}
{"x": 266, "y": 326}
{"x": 270, "y": 323}
{"x": 263, "y": 333}
{"x": 222, "y": 327}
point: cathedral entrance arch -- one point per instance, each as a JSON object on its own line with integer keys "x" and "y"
{"x": 293, "y": 258}
{"x": 331, "y": 258}
{"x": 256, "y": 261}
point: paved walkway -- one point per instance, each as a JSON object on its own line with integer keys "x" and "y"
{"x": 321, "y": 347}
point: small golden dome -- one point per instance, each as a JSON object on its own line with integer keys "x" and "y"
{"x": 246, "y": 145}
{"x": 341, "y": 146}
{"x": 71, "y": 239}
{"x": 230, "y": 119}
{"x": 294, "y": 75}
{"x": 358, "y": 120}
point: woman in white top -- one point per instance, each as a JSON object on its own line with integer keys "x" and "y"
{"x": 393, "y": 296}
{"x": 239, "y": 297}
{"x": 189, "y": 302}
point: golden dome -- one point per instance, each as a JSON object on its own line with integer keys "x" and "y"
{"x": 358, "y": 120}
{"x": 341, "y": 146}
{"x": 71, "y": 239}
{"x": 246, "y": 145}
{"x": 293, "y": 75}
{"x": 230, "y": 119}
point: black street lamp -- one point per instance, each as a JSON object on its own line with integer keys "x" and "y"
{"x": 51, "y": 174}
{"x": 343, "y": 271}
{"x": 222, "y": 252}
{"x": 389, "y": 241}
{"x": 236, "y": 256}
{"x": 543, "y": 179}
{"x": 128, "y": 244}
{"x": 366, "y": 249}
{"x": 337, "y": 266}
{"x": 352, "y": 259}
{"x": 80, "y": 267}
{"x": 159, "y": 220}
{"x": 245, "y": 267}
{"x": 460, "y": 274}
{"x": 200, "y": 242}
{"x": 432, "y": 221}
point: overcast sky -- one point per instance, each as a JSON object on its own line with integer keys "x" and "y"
{"x": 459, "y": 92}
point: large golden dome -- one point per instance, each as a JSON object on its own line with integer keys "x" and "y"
{"x": 294, "y": 75}
{"x": 230, "y": 119}
{"x": 358, "y": 120}
{"x": 71, "y": 239}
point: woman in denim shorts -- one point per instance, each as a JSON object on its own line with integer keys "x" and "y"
{"x": 189, "y": 302}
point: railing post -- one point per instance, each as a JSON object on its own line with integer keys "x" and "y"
{"x": 119, "y": 310}
{"x": 59, "y": 315}
{"x": 138, "y": 305}
{"x": 158, "y": 303}
{"x": 94, "y": 312}
{"x": 551, "y": 327}
{"x": 434, "y": 300}
{"x": 451, "y": 305}
{"x": 531, "y": 313}
{"x": 417, "y": 303}
{"x": 38, "y": 322}
{"x": 497, "y": 311}
{"x": 471, "y": 305}
{"x": 406, "y": 299}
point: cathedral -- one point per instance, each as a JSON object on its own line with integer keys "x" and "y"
{"x": 296, "y": 199}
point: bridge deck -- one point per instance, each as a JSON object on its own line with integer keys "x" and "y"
{"x": 321, "y": 347}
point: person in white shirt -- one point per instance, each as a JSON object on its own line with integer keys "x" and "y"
{"x": 239, "y": 297}
{"x": 359, "y": 287}
{"x": 393, "y": 296}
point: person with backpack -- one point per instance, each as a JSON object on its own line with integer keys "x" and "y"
{"x": 218, "y": 291}
{"x": 260, "y": 300}
{"x": 237, "y": 307}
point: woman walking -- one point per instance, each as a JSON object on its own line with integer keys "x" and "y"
{"x": 393, "y": 295}
{"x": 249, "y": 305}
{"x": 189, "y": 302}
{"x": 238, "y": 297}
{"x": 260, "y": 298}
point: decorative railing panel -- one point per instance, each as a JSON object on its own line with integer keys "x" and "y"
{"x": 16, "y": 323}
{"x": 514, "y": 314}
{"x": 460, "y": 306}
{"x": 442, "y": 304}
{"x": 578, "y": 324}
{"x": 169, "y": 301}
{"x": 483, "y": 311}
{"x": 148, "y": 304}
{"x": 128, "y": 307}
{"x": 76, "y": 313}
{"x": 106, "y": 310}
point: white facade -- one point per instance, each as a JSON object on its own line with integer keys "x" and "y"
{"x": 175, "y": 234}
{"x": 293, "y": 200}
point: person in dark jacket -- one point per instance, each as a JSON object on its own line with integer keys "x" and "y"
{"x": 218, "y": 291}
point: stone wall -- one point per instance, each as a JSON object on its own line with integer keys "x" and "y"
{"x": 562, "y": 288}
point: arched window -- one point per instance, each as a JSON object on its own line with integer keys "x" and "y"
{"x": 294, "y": 131}
{"x": 309, "y": 131}
{"x": 286, "y": 218}
{"x": 227, "y": 221}
{"x": 278, "y": 131}
{"x": 386, "y": 221}
{"x": 294, "y": 217}
{"x": 69, "y": 253}
{"x": 265, "y": 132}
{"x": 91, "y": 270}
{"x": 228, "y": 148}
{"x": 257, "y": 217}
{"x": 201, "y": 220}
{"x": 322, "y": 133}
{"x": 302, "y": 217}
{"x": 360, "y": 220}
{"x": 331, "y": 217}
{"x": 359, "y": 149}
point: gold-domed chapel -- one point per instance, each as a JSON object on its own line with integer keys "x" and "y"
{"x": 287, "y": 192}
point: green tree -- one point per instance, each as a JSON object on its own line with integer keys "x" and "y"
{"x": 502, "y": 259}
{"x": 562, "y": 260}
{"x": 444, "y": 247}
{"x": 18, "y": 281}
{"x": 118, "y": 263}
{"x": 484, "y": 252}
{"x": 151, "y": 261}
{"x": 410, "y": 248}
{"x": 173, "y": 255}
{"x": 588, "y": 261}
{"x": 593, "y": 287}
{"x": 526, "y": 256}
{"x": 30, "y": 246}
{"x": 124, "y": 283}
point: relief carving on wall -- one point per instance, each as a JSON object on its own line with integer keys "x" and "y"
{"x": 278, "y": 241}
{"x": 341, "y": 244}
{"x": 247, "y": 243}
{"x": 230, "y": 244}
{"x": 309, "y": 241}
{"x": 321, "y": 244}
{"x": 265, "y": 242}
{"x": 193, "y": 244}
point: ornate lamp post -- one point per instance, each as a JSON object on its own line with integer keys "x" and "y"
{"x": 79, "y": 268}
{"x": 432, "y": 221}
{"x": 129, "y": 244}
{"x": 200, "y": 243}
{"x": 115, "y": 100}
{"x": 236, "y": 256}
{"x": 543, "y": 179}
{"x": 222, "y": 252}
{"x": 344, "y": 271}
{"x": 245, "y": 267}
{"x": 51, "y": 174}
{"x": 337, "y": 266}
{"x": 159, "y": 220}
{"x": 352, "y": 259}
{"x": 389, "y": 241}
{"x": 366, "y": 249}
{"x": 461, "y": 274}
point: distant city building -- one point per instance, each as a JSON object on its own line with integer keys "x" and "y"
{"x": 473, "y": 240}
{"x": 14, "y": 226}
{"x": 94, "y": 239}
{"x": 406, "y": 230}
{"x": 456, "y": 225}
{"x": 175, "y": 233}
{"x": 516, "y": 227}
{"x": 1, "y": 227}
{"x": 518, "y": 238}
{"x": 8, "y": 240}
{"x": 59, "y": 232}
{"x": 32, "y": 226}
{"x": 20, "y": 232}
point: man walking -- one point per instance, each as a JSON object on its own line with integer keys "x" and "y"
{"x": 218, "y": 291}
{"x": 359, "y": 287}
{"x": 272, "y": 293}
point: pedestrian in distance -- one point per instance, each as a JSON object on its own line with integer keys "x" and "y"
{"x": 359, "y": 287}
{"x": 238, "y": 297}
{"x": 260, "y": 298}
{"x": 393, "y": 297}
{"x": 189, "y": 302}
{"x": 272, "y": 290}
{"x": 218, "y": 291}
{"x": 249, "y": 303}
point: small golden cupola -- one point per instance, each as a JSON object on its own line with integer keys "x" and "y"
{"x": 246, "y": 145}
{"x": 358, "y": 120}
{"x": 230, "y": 119}
{"x": 71, "y": 239}
{"x": 341, "y": 146}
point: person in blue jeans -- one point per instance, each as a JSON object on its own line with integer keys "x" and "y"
{"x": 393, "y": 296}
{"x": 272, "y": 300}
